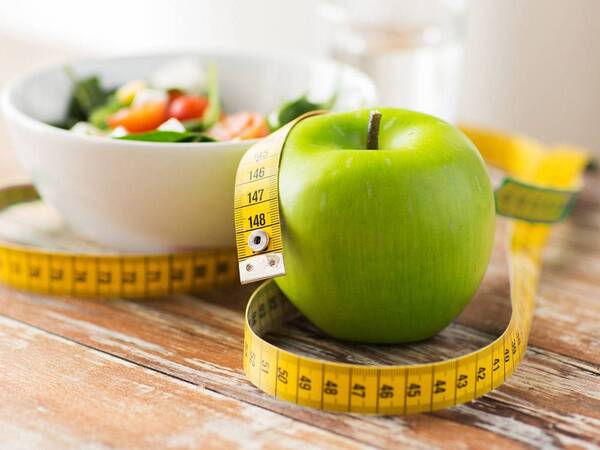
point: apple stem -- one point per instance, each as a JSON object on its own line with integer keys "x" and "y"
{"x": 373, "y": 130}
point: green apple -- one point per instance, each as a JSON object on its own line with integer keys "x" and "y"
{"x": 386, "y": 244}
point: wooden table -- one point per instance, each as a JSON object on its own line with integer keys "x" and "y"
{"x": 167, "y": 373}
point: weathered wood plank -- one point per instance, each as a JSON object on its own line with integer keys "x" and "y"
{"x": 57, "y": 394}
{"x": 547, "y": 389}
{"x": 418, "y": 432}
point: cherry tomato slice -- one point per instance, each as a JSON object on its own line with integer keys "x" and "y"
{"x": 137, "y": 119}
{"x": 242, "y": 125}
{"x": 186, "y": 107}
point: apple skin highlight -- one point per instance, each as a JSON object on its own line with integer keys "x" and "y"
{"x": 385, "y": 245}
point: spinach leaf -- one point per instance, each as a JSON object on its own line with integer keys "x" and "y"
{"x": 199, "y": 137}
{"x": 168, "y": 136}
{"x": 74, "y": 114}
{"x": 295, "y": 108}
{"x": 194, "y": 125}
{"x": 87, "y": 94}
{"x": 88, "y": 91}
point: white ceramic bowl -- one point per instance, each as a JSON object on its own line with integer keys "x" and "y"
{"x": 143, "y": 196}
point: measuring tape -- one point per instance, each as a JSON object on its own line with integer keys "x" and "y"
{"x": 540, "y": 191}
{"x": 108, "y": 275}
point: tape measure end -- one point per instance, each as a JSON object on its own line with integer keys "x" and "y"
{"x": 261, "y": 267}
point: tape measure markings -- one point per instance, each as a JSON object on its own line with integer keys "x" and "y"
{"x": 460, "y": 379}
{"x": 524, "y": 201}
{"x": 108, "y": 275}
{"x": 258, "y": 179}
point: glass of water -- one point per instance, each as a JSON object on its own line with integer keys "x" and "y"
{"x": 411, "y": 48}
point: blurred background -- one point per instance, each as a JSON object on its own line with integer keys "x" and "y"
{"x": 529, "y": 66}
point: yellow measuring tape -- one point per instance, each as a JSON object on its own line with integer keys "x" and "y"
{"x": 108, "y": 275}
{"x": 542, "y": 192}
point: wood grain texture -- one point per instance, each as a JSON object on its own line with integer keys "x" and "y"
{"x": 57, "y": 394}
{"x": 552, "y": 401}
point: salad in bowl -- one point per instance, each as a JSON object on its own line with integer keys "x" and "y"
{"x": 178, "y": 102}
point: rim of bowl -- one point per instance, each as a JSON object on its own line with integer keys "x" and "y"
{"x": 10, "y": 109}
